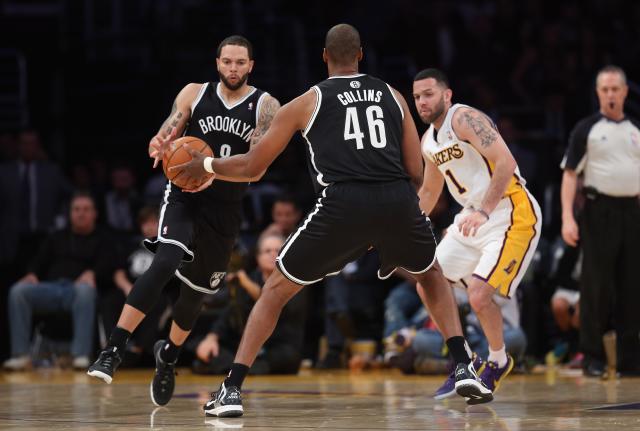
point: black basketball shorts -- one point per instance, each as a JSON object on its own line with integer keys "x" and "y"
{"x": 205, "y": 229}
{"x": 351, "y": 217}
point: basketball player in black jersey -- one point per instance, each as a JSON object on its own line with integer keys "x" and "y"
{"x": 197, "y": 230}
{"x": 365, "y": 154}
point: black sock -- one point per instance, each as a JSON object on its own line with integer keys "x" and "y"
{"x": 119, "y": 338}
{"x": 169, "y": 352}
{"x": 236, "y": 375}
{"x": 459, "y": 350}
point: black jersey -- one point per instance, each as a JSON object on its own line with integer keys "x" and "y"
{"x": 355, "y": 132}
{"x": 226, "y": 128}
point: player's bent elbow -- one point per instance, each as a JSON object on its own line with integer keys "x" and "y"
{"x": 253, "y": 175}
{"x": 258, "y": 177}
{"x": 508, "y": 164}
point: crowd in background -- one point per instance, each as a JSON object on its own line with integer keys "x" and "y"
{"x": 73, "y": 251}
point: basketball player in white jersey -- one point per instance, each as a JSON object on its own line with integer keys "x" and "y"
{"x": 496, "y": 234}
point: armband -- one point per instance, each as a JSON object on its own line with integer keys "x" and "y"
{"x": 208, "y": 164}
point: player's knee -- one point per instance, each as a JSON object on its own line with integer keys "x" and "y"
{"x": 279, "y": 290}
{"x": 185, "y": 319}
{"x": 480, "y": 299}
{"x": 187, "y": 307}
{"x": 167, "y": 260}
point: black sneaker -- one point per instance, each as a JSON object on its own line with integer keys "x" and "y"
{"x": 225, "y": 403}
{"x": 469, "y": 385}
{"x": 164, "y": 379}
{"x": 106, "y": 364}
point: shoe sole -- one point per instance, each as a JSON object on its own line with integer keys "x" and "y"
{"x": 153, "y": 400}
{"x": 100, "y": 375}
{"x": 225, "y": 411}
{"x": 445, "y": 395}
{"x": 473, "y": 391}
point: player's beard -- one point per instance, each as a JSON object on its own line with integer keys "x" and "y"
{"x": 437, "y": 112}
{"x": 235, "y": 86}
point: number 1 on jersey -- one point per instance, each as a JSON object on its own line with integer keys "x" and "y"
{"x": 377, "y": 133}
{"x": 455, "y": 182}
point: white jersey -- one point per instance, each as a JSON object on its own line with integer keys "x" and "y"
{"x": 501, "y": 250}
{"x": 466, "y": 171}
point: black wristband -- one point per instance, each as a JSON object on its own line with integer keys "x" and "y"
{"x": 484, "y": 213}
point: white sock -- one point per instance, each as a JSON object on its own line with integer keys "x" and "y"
{"x": 498, "y": 356}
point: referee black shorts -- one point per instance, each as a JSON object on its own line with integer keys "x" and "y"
{"x": 351, "y": 217}
{"x": 205, "y": 229}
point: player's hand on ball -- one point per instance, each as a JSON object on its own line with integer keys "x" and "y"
{"x": 471, "y": 223}
{"x": 159, "y": 145}
{"x": 204, "y": 185}
{"x": 194, "y": 167}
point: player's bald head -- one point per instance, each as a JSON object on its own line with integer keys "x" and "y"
{"x": 343, "y": 44}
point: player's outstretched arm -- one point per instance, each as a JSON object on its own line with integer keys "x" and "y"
{"x": 431, "y": 188}
{"x": 251, "y": 166}
{"x": 174, "y": 125}
{"x": 411, "y": 154}
{"x": 289, "y": 119}
{"x": 476, "y": 128}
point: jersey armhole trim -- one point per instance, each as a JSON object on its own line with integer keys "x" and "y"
{"x": 198, "y": 97}
{"x": 315, "y": 111}
{"x": 453, "y": 108}
{"x": 396, "y": 99}
{"x": 424, "y": 146}
{"x": 259, "y": 105}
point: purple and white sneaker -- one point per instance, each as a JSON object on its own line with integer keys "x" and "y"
{"x": 448, "y": 388}
{"x": 492, "y": 375}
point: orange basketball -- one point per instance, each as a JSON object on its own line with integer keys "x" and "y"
{"x": 177, "y": 154}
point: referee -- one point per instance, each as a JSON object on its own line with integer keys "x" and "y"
{"x": 605, "y": 147}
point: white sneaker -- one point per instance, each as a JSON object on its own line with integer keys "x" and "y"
{"x": 80, "y": 362}
{"x": 18, "y": 363}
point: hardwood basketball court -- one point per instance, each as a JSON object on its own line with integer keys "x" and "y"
{"x": 377, "y": 400}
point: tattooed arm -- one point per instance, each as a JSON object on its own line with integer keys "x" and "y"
{"x": 268, "y": 109}
{"x": 174, "y": 125}
{"x": 476, "y": 128}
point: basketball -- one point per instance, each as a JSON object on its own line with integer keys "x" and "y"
{"x": 177, "y": 155}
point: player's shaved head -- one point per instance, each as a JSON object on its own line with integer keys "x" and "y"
{"x": 342, "y": 44}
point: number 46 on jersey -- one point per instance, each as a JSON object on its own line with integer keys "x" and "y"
{"x": 375, "y": 125}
